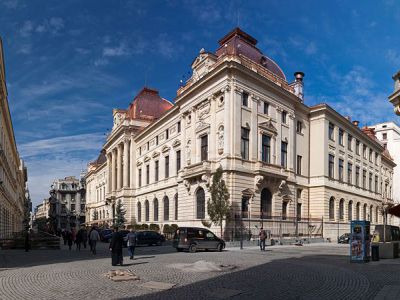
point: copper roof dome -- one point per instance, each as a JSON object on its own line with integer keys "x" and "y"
{"x": 148, "y": 105}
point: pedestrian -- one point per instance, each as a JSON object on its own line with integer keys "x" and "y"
{"x": 68, "y": 236}
{"x": 63, "y": 232}
{"x": 116, "y": 245}
{"x": 263, "y": 236}
{"x": 84, "y": 237}
{"x": 93, "y": 238}
{"x": 78, "y": 239}
{"x": 131, "y": 243}
{"x": 27, "y": 241}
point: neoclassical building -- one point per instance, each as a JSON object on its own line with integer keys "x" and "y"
{"x": 14, "y": 201}
{"x": 395, "y": 97}
{"x": 284, "y": 163}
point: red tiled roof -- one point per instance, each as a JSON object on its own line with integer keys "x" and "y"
{"x": 238, "y": 42}
{"x": 148, "y": 105}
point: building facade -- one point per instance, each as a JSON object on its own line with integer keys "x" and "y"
{"x": 67, "y": 203}
{"x": 13, "y": 173}
{"x": 395, "y": 97}
{"x": 239, "y": 112}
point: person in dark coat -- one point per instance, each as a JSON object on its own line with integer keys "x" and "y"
{"x": 116, "y": 246}
{"x": 84, "y": 237}
{"x": 68, "y": 237}
{"x": 79, "y": 238}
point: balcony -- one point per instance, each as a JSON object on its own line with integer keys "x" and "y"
{"x": 196, "y": 170}
{"x": 265, "y": 169}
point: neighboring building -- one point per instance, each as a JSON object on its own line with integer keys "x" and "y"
{"x": 395, "y": 97}
{"x": 98, "y": 210}
{"x": 239, "y": 112}
{"x": 69, "y": 199}
{"x": 42, "y": 210}
{"x": 389, "y": 135}
{"x": 13, "y": 173}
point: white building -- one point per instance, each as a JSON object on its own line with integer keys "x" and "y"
{"x": 287, "y": 166}
{"x": 395, "y": 97}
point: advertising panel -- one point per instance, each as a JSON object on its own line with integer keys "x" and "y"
{"x": 360, "y": 242}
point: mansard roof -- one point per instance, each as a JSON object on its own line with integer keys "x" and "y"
{"x": 238, "y": 42}
{"x": 148, "y": 105}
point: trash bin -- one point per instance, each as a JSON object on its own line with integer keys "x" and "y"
{"x": 375, "y": 252}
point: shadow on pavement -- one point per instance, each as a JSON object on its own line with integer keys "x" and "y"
{"x": 18, "y": 258}
{"x": 307, "y": 277}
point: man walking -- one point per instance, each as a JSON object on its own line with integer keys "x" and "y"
{"x": 263, "y": 236}
{"x": 116, "y": 245}
{"x": 131, "y": 243}
{"x": 93, "y": 238}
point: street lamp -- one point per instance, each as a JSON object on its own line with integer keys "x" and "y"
{"x": 53, "y": 210}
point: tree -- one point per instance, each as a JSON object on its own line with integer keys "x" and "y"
{"x": 218, "y": 207}
{"x": 119, "y": 219}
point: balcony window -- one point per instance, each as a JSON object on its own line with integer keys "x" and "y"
{"x": 349, "y": 173}
{"x": 204, "y": 148}
{"x": 266, "y": 108}
{"x": 349, "y": 142}
{"x": 331, "y": 170}
{"x": 166, "y": 166}
{"x": 364, "y": 183}
{"x": 140, "y": 177}
{"x": 156, "y": 169}
{"x": 245, "y": 143}
{"x": 284, "y": 154}
{"x": 331, "y": 131}
{"x": 245, "y": 99}
{"x": 147, "y": 174}
{"x": 357, "y": 147}
{"x": 266, "y": 149}
{"x": 340, "y": 136}
{"x": 340, "y": 169}
{"x": 284, "y": 117}
{"x": 357, "y": 176}
{"x": 178, "y": 160}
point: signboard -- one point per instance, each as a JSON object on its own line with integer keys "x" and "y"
{"x": 360, "y": 242}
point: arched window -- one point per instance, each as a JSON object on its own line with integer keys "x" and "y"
{"x": 341, "y": 209}
{"x": 155, "y": 209}
{"x": 176, "y": 206}
{"x": 201, "y": 204}
{"x": 371, "y": 209}
{"x": 365, "y": 212}
{"x": 166, "y": 208}
{"x": 358, "y": 211}
{"x": 147, "y": 209}
{"x": 332, "y": 208}
{"x": 350, "y": 211}
{"x": 266, "y": 204}
{"x": 139, "y": 212}
{"x": 377, "y": 215}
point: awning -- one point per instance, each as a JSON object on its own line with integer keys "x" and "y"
{"x": 395, "y": 210}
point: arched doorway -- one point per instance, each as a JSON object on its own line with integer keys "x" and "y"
{"x": 155, "y": 209}
{"x": 139, "y": 212}
{"x": 200, "y": 204}
{"x": 166, "y": 208}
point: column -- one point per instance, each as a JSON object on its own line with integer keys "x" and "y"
{"x": 254, "y": 146}
{"x": 132, "y": 163}
{"x": 113, "y": 167}
{"x": 236, "y": 121}
{"x": 213, "y": 152}
{"x": 126, "y": 163}
{"x": 119, "y": 165}
{"x": 227, "y": 119}
{"x": 292, "y": 144}
{"x": 109, "y": 168}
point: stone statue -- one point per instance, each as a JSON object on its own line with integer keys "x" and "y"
{"x": 220, "y": 140}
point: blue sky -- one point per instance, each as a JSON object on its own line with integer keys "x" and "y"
{"x": 69, "y": 63}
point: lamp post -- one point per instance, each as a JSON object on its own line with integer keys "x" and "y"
{"x": 53, "y": 210}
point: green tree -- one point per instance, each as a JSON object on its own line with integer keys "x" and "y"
{"x": 119, "y": 219}
{"x": 218, "y": 207}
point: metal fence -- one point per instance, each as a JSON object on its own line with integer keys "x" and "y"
{"x": 248, "y": 226}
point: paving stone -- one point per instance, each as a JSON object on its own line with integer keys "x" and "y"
{"x": 158, "y": 285}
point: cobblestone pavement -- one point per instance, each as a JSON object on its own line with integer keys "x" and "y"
{"x": 317, "y": 271}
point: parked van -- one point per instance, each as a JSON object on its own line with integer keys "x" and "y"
{"x": 194, "y": 238}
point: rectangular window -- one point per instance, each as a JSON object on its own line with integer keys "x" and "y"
{"x": 376, "y": 183}
{"x": 370, "y": 155}
{"x": 266, "y": 149}
{"x": 147, "y": 174}
{"x": 140, "y": 151}
{"x": 266, "y": 108}
{"x": 284, "y": 210}
{"x": 245, "y": 99}
{"x": 331, "y": 131}
{"x": 298, "y": 211}
{"x": 349, "y": 142}
{"x": 179, "y": 126}
{"x": 148, "y": 146}
{"x": 156, "y": 169}
{"x": 178, "y": 160}
{"x": 140, "y": 177}
{"x": 357, "y": 176}
{"x": 244, "y": 146}
{"x": 340, "y": 169}
{"x": 166, "y": 166}
{"x": 166, "y": 134}
{"x": 349, "y": 173}
{"x": 340, "y": 136}
{"x": 299, "y": 127}
{"x": 331, "y": 169}
{"x": 72, "y": 207}
{"x": 357, "y": 147}
{"x": 384, "y": 136}
{"x": 364, "y": 151}
{"x": 82, "y": 207}
{"x": 284, "y": 117}
{"x": 204, "y": 147}
{"x": 156, "y": 140}
{"x": 284, "y": 154}
{"x": 298, "y": 170}
{"x": 370, "y": 182}
{"x": 376, "y": 158}
{"x": 364, "y": 183}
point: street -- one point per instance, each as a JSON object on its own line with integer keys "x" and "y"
{"x": 316, "y": 271}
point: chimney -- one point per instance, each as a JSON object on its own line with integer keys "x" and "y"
{"x": 355, "y": 123}
{"x": 298, "y": 85}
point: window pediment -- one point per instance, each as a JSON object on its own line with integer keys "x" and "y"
{"x": 155, "y": 154}
{"x": 268, "y": 127}
{"x": 139, "y": 163}
{"x": 165, "y": 149}
{"x": 146, "y": 159}
{"x": 176, "y": 143}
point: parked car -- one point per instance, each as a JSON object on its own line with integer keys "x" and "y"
{"x": 194, "y": 238}
{"x": 344, "y": 238}
{"x": 105, "y": 235}
{"x": 149, "y": 237}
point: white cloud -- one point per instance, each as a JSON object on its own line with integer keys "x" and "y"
{"x": 26, "y": 29}
{"x": 121, "y": 50}
{"x": 11, "y": 3}
{"x": 25, "y": 49}
{"x": 308, "y": 47}
{"x": 53, "y": 25}
{"x": 101, "y": 62}
{"x": 393, "y": 57}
